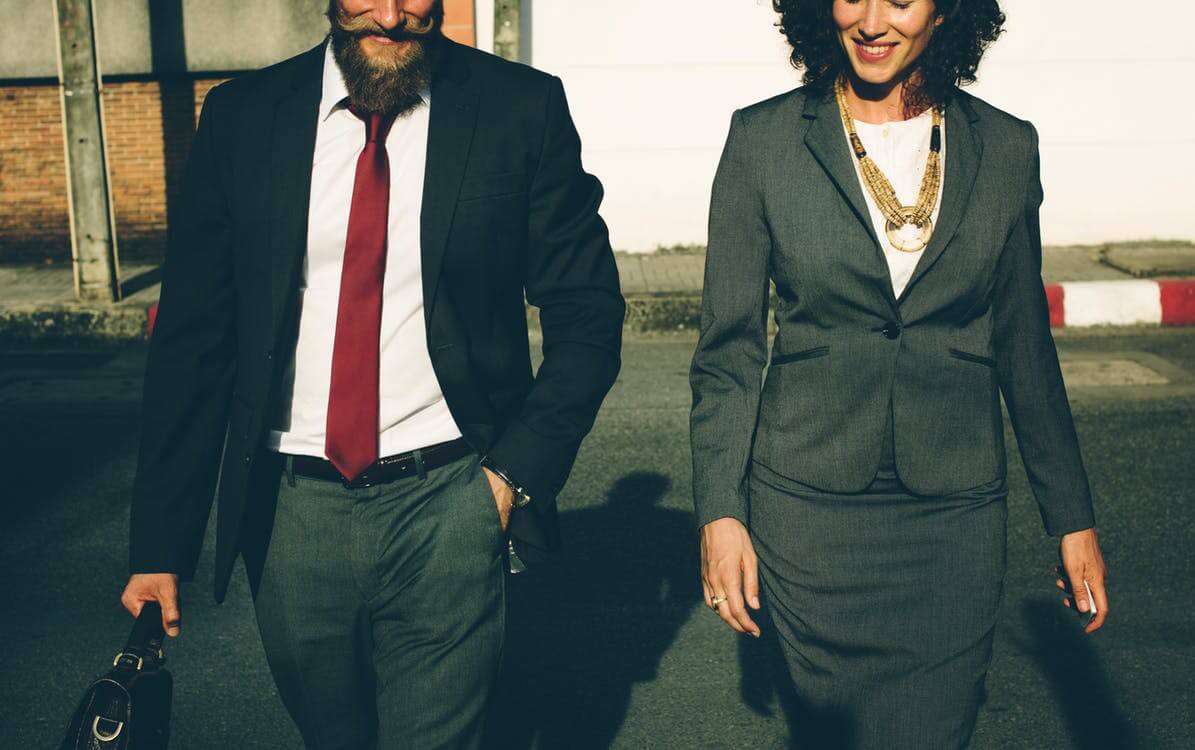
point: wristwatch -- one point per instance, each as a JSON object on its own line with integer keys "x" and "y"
{"x": 521, "y": 497}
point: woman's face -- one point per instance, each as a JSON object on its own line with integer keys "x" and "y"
{"x": 884, "y": 38}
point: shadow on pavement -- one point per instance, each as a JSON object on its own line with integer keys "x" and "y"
{"x": 582, "y": 633}
{"x": 1085, "y": 699}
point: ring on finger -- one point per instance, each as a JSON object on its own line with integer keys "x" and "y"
{"x": 715, "y": 601}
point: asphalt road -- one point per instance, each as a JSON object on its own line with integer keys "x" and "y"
{"x": 612, "y": 647}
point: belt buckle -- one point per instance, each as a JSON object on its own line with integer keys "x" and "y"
{"x": 362, "y": 481}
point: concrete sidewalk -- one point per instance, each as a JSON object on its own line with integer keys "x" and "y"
{"x": 1121, "y": 284}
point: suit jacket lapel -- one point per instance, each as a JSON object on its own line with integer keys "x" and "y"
{"x": 450, "y": 135}
{"x": 291, "y": 153}
{"x": 964, "y": 150}
{"x": 828, "y": 143}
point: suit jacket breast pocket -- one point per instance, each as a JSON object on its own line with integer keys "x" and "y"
{"x": 499, "y": 185}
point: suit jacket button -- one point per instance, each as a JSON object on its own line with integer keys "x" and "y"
{"x": 892, "y": 330}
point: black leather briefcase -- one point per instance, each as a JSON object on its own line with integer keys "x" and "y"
{"x": 129, "y": 707}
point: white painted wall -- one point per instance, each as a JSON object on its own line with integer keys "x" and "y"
{"x": 652, "y": 86}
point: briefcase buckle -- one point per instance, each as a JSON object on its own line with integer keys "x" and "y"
{"x": 116, "y": 663}
{"x": 101, "y": 736}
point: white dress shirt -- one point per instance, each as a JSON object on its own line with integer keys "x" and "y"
{"x": 412, "y": 412}
{"x": 899, "y": 149}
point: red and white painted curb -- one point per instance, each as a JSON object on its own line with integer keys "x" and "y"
{"x": 1081, "y": 304}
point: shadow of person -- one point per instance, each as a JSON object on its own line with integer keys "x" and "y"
{"x": 583, "y": 632}
{"x": 1088, "y": 704}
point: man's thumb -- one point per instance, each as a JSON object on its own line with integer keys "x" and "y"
{"x": 171, "y": 618}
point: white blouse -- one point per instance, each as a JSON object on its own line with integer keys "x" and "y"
{"x": 899, "y": 149}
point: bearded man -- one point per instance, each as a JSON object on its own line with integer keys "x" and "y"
{"x": 342, "y": 341}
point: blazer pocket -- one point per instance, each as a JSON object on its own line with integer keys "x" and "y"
{"x": 814, "y": 353}
{"x": 492, "y": 186}
{"x": 969, "y": 357}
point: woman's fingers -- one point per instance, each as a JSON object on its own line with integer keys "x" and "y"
{"x": 729, "y": 573}
{"x": 1100, "y": 593}
{"x": 1079, "y": 592}
{"x": 751, "y": 579}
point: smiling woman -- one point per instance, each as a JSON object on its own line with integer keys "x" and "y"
{"x": 860, "y": 492}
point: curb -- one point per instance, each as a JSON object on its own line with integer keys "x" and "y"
{"x": 1073, "y": 304}
{"x": 69, "y": 323}
{"x": 1082, "y": 304}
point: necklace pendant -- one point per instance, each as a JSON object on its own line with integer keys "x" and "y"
{"x": 909, "y": 237}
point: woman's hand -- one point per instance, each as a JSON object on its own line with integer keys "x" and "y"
{"x": 730, "y": 573}
{"x": 1083, "y": 561}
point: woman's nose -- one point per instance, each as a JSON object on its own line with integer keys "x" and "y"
{"x": 874, "y": 23}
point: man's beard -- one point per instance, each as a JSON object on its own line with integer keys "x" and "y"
{"x": 393, "y": 79}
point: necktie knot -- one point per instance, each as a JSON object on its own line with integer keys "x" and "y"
{"x": 377, "y": 125}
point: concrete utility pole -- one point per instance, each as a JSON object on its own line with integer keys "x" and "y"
{"x": 93, "y": 235}
{"x": 506, "y": 29}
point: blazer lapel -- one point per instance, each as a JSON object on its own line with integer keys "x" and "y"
{"x": 828, "y": 143}
{"x": 964, "y": 150}
{"x": 450, "y": 135}
{"x": 291, "y": 153}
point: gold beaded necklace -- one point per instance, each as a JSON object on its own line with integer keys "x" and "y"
{"x": 899, "y": 216}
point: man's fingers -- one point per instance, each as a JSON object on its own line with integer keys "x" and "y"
{"x": 171, "y": 618}
{"x": 131, "y": 604}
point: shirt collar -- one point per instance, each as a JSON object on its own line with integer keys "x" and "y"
{"x": 334, "y": 95}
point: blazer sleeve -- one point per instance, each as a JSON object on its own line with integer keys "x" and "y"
{"x": 573, "y": 281}
{"x": 1030, "y": 376}
{"x": 731, "y": 352}
{"x": 188, "y": 379}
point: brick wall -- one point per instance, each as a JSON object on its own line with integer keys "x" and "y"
{"x": 149, "y": 126}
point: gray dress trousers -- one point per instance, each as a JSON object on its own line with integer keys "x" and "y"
{"x": 381, "y": 610}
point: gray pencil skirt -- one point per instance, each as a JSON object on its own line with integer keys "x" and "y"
{"x": 884, "y": 606}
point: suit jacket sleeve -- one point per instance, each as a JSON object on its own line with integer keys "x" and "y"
{"x": 732, "y": 349}
{"x": 572, "y": 279}
{"x": 1031, "y": 378}
{"x": 188, "y": 378}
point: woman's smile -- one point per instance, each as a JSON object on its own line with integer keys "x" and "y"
{"x": 870, "y": 52}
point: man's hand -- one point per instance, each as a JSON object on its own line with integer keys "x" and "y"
{"x": 730, "y": 573}
{"x": 504, "y": 496}
{"x": 1083, "y": 561}
{"x": 154, "y": 587}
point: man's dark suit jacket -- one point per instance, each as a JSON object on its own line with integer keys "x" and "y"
{"x": 508, "y": 211}
{"x": 850, "y": 358}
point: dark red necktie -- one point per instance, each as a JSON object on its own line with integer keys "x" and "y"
{"x": 351, "y": 443}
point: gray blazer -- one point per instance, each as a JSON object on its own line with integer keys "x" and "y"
{"x": 973, "y": 322}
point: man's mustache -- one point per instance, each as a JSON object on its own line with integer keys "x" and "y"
{"x": 363, "y": 26}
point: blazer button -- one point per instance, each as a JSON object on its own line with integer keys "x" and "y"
{"x": 892, "y": 330}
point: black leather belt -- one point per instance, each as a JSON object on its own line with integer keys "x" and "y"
{"x": 388, "y": 469}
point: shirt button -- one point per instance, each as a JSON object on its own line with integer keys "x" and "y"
{"x": 892, "y": 330}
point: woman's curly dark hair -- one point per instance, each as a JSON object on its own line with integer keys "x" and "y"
{"x": 950, "y": 60}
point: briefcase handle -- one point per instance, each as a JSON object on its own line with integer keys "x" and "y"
{"x": 145, "y": 640}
